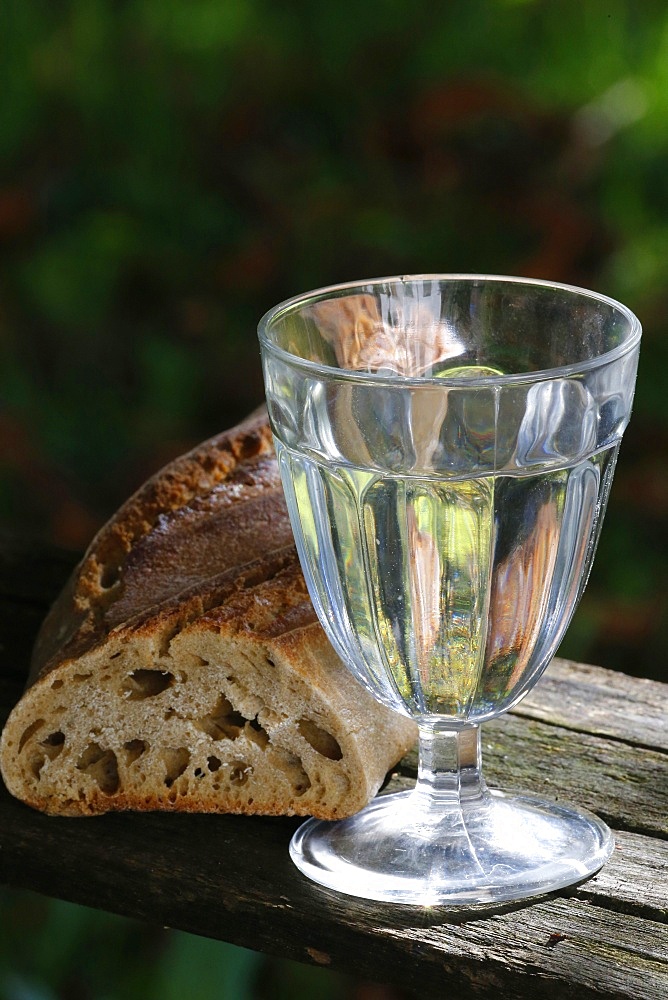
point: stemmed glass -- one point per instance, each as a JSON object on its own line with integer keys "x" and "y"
{"x": 446, "y": 445}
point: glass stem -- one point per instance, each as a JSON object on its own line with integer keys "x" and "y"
{"x": 450, "y": 766}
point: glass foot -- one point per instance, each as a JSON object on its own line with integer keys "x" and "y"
{"x": 488, "y": 850}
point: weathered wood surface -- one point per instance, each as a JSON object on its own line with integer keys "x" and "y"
{"x": 584, "y": 734}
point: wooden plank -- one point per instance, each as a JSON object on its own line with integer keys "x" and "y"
{"x": 558, "y": 948}
{"x": 635, "y": 879}
{"x": 231, "y": 878}
{"x": 594, "y": 700}
{"x": 625, "y": 785}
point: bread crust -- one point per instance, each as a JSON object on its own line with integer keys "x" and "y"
{"x": 100, "y": 592}
{"x": 183, "y": 668}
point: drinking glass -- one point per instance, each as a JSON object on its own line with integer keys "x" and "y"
{"x": 446, "y": 446}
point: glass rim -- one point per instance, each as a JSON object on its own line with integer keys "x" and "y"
{"x": 392, "y": 379}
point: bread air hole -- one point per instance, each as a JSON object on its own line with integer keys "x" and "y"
{"x": 213, "y": 763}
{"x": 256, "y": 733}
{"x": 53, "y": 744}
{"x": 102, "y": 766}
{"x": 223, "y": 722}
{"x": 166, "y": 639}
{"x": 30, "y": 732}
{"x": 36, "y": 762}
{"x": 321, "y": 741}
{"x": 240, "y": 772}
{"x": 109, "y": 576}
{"x": 291, "y": 766}
{"x": 176, "y": 760}
{"x": 134, "y": 749}
{"x": 142, "y": 684}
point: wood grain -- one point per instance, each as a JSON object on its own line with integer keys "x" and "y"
{"x": 605, "y": 702}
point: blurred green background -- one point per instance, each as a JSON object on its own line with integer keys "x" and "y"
{"x": 169, "y": 169}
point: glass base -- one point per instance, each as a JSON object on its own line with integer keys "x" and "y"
{"x": 492, "y": 849}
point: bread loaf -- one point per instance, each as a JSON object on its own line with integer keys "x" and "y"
{"x": 183, "y": 668}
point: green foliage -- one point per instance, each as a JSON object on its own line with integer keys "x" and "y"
{"x": 171, "y": 168}
{"x": 220, "y": 970}
{"x": 50, "y": 950}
